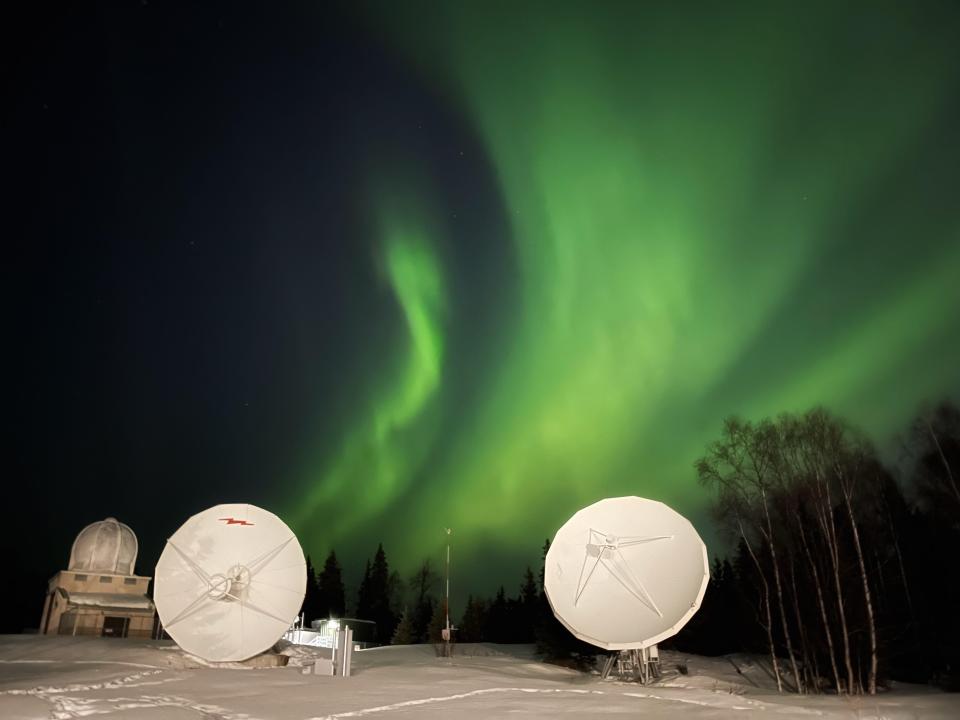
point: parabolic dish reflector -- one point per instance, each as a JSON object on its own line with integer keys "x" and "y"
{"x": 230, "y": 582}
{"x": 626, "y": 573}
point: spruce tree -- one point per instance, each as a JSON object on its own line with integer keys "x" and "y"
{"x": 422, "y": 584}
{"x": 312, "y": 607}
{"x": 365, "y": 596}
{"x": 495, "y": 627}
{"x": 529, "y": 606}
{"x": 332, "y": 601}
{"x": 374, "y": 597}
{"x": 403, "y": 635}
{"x": 543, "y": 566}
{"x": 438, "y": 622}
{"x": 472, "y": 623}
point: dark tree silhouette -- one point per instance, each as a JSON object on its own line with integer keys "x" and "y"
{"x": 403, "y": 635}
{"x": 364, "y": 609}
{"x": 495, "y": 626}
{"x": 528, "y": 608}
{"x": 332, "y": 601}
{"x": 473, "y": 624}
{"x": 932, "y": 543}
{"x": 312, "y": 605}
{"x": 934, "y": 447}
{"x": 422, "y": 585}
{"x": 375, "y": 599}
{"x": 845, "y": 576}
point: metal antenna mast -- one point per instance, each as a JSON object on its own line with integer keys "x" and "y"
{"x": 446, "y": 630}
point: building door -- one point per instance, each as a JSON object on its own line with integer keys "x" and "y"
{"x": 115, "y": 626}
{"x": 68, "y": 624}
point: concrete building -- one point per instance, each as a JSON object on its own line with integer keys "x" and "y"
{"x": 98, "y": 593}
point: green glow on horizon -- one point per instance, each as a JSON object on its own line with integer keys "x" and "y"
{"x": 699, "y": 219}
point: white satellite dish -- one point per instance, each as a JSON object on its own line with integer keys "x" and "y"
{"x": 230, "y": 582}
{"x": 626, "y": 573}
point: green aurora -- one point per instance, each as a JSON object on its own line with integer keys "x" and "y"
{"x": 387, "y": 446}
{"x": 730, "y": 209}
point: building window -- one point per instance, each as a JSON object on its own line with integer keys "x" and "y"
{"x": 106, "y": 579}
{"x": 81, "y": 578}
{"x": 129, "y": 581}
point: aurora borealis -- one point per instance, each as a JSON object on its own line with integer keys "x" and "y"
{"x": 476, "y": 265}
{"x": 713, "y": 212}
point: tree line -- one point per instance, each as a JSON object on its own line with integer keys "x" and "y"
{"x": 414, "y": 611}
{"x": 381, "y": 597}
{"x": 842, "y": 574}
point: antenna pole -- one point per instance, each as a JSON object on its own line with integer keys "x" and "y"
{"x": 446, "y": 633}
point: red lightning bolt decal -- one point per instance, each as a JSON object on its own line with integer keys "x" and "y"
{"x": 234, "y": 521}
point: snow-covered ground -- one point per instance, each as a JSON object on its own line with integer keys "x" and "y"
{"x": 65, "y": 677}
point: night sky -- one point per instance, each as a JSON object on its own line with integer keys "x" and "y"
{"x": 389, "y": 268}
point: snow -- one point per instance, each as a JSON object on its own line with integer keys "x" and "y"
{"x": 111, "y": 600}
{"x": 75, "y": 677}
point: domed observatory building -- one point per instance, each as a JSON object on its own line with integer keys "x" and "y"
{"x": 98, "y": 593}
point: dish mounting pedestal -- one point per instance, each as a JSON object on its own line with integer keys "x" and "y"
{"x": 641, "y": 665}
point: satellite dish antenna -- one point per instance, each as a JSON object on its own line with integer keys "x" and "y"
{"x": 230, "y": 582}
{"x": 626, "y": 573}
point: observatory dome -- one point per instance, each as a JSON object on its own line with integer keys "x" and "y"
{"x": 107, "y": 546}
